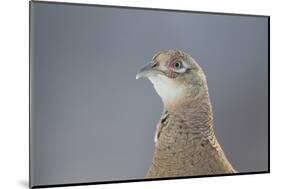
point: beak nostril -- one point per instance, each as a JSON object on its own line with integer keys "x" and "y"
{"x": 153, "y": 64}
{"x": 149, "y": 70}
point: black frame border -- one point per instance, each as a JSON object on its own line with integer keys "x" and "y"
{"x": 147, "y": 9}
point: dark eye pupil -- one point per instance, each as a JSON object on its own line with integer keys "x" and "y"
{"x": 177, "y": 65}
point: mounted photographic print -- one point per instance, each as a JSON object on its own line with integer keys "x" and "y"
{"x": 120, "y": 94}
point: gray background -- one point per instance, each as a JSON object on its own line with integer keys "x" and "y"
{"x": 92, "y": 121}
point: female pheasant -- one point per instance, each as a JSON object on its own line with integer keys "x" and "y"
{"x": 185, "y": 143}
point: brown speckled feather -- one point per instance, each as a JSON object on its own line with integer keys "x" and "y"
{"x": 186, "y": 144}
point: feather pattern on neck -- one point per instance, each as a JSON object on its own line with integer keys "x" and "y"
{"x": 185, "y": 143}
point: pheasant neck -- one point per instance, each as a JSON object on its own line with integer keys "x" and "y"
{"x": 192, "y": 117}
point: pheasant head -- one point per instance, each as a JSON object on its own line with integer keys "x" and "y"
{"x": 176, "y": 77}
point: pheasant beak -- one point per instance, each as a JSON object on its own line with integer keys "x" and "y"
{"x": 148, "y": 71}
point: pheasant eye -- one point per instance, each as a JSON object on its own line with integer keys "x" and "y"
{"x": 178, "y": 65}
